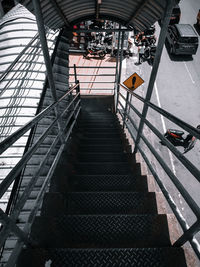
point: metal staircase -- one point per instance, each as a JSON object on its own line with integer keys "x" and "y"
{"x": 98, "y": 211}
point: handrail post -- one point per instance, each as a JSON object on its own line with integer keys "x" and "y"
{"x": 188, "y": 235}
{"x": 120, "y": 69}
{"x": 75, "y": 74}
{"x": 161, "y": 41}
{"x": 116, "y": 69}
{"x": 125, "y": 109}
{"x": 43, "y": 40}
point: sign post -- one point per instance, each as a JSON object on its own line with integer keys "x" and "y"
{"x": 133, "y": 82}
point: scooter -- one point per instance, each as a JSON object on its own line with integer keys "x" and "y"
{"x": 176, "y": 138}
{"x": 95, "y": 50}
{"x": 148, "y": 54}
{"x": 151, "y": 39}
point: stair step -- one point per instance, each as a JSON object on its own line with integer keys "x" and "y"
{"x": 101, "y": 231}
{"x": 102, "y": 157}
{"x": 108, "y": 183}
{"x": 97, "y": 141}
{"x": 99, "y": 130}
{"x": 91, "y": 126}
{"x": 102, "y": 168}
{"x": 101, "y": 134}
{"x": 127, "y": 257}
{"x": 100, "y": 203}
{"x": 101, "y": 148}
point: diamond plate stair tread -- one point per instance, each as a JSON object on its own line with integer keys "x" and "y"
{"x": 99, "y": 130}
{"x": 102, "y": 168}
{"x": 101, "y": 231}
{"x": 102, "y": 157}
{"x": 100, "y": 141}
{"x": 108, "y": 183}
{"x": 103, "y": 134}
{"x": 99, "y": 124}
{"x": 85, "y": 203}
{"x": 101, "y": 148}
{"x": 135, "y": 257}
{"x": 111, "y": 203}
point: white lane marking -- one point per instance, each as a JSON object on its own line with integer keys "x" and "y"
{"x": 165, "y": 129}
{"x": 188, "y": 72}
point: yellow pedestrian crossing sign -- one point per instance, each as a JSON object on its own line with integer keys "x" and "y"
{"x": 133, "y": 82}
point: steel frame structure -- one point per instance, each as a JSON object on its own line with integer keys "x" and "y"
{"x": 124, "y": 112}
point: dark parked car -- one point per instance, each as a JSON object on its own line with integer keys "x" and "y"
{"x": 182, "y": 39}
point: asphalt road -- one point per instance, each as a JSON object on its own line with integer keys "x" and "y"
{"x": 177, "y": 90}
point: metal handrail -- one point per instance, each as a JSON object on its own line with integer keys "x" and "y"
{"x": 188, "y": 232}
{"x": 15, "y": 136}
{"x": 6, "y": 143}
{"x": 4, "y": 233}
{"x": 9, "y": 222}
{"x": 191, "y": 167}
{"x": 166, "y": 114}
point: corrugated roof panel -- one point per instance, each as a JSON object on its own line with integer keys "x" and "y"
{"x": 139, "y": 13}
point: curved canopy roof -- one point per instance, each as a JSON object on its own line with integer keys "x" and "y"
{"x": 139, "y": 14}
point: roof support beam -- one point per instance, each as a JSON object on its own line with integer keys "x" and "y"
{"x": 43, "y": 40}
{"x": 97, "y": 7}
{"x": 60, "y": 13}
{"x": 161, "y": 42}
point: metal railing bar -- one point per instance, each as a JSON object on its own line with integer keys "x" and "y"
{"x": 171, "y": 203}
{"x": 19, "y": 245}
{"x": 13, "y": 137}
{"x": 168, "y": 198}
{"x": 189, "y": 166}
{"x": 192, "y": 204}
{"x": 85, "y": 75}
{"x": 13, "y": 227}
{"x": 103, "y": 89}
{"x": 189, "y": 200}
{"x": 20, "y": 165}
{"x": 96, "y": 82}
{"x": 92, "y": 67}
{"x": 188, "y": 234}
{"x": 5, "y": 231}
{"x": 50, "y": 173}
{"x": 168, "y": 115}
{"x": 70, "y": 103}
{"x": 102, "y": 30}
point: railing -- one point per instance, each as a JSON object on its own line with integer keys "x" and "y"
{"x": 9, "y": 225}
{"x": 126, "y": 110}
{"x": 90, "y": 81}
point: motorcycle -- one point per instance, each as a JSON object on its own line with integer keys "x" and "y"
{"x": 150, "y": 39}
{"x": 177, "y": 139}
{"x": 95, "y": 50}
{"x": 148, "y": 54}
